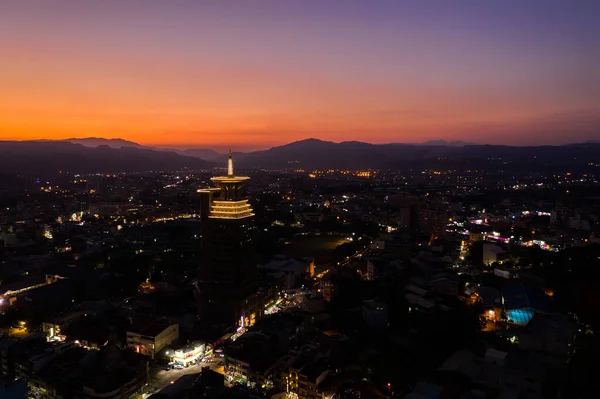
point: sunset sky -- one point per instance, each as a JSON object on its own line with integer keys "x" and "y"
{"x": 253, "y": 74}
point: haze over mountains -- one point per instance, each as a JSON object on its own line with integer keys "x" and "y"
{"x": 87, "y": 155}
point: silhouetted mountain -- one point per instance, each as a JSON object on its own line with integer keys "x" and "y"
{"x": 35, "y": 157}
{"x": 98, "y": 141}
{"x": 204, "y": 153}
{"x": 317, "y": 154}
{"x": 310, "y": 154}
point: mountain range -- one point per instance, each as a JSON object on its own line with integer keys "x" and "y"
{"x": 317, "y": 154}
{"x": 116, "y": 155}
{"x": 98, "y": 141}
{"x": 48, "y": 157}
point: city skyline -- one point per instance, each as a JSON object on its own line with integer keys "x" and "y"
{"x": 316, "y": 199}
{"x": 253, "y": 76}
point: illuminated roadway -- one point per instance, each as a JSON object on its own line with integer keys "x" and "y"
{"x": 163, "y": 378}
{"x": 342, "y": 263}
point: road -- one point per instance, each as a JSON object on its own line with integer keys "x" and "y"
{"x": 161, "y": 379}
{"x": 342, "y": 263}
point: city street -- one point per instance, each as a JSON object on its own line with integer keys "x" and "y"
{"x": 342, "y": 263}
{"x": 163, "y": 378}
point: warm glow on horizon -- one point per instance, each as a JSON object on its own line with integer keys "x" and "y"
{"x": 208, "y": 75}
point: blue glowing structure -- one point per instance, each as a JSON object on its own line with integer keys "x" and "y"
{"x": 522, "y": 301}
{"x": 520, "y": 316}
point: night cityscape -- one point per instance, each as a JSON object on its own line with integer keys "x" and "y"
{"x": 311, "y": 200}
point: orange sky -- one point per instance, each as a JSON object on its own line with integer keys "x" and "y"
{"x": 168, "y": 104}
{"x": 168, "y": 77}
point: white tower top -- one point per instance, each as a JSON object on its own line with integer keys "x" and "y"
{"x": 230, "y": 165}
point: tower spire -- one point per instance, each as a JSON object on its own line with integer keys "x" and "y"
{"x": 230, "y": 165}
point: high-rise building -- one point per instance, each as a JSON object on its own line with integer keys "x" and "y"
{"x": 228, "y": 277}
{"x": 432, "y": 219}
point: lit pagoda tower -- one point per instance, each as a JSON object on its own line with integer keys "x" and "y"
{"x": 228, "y": 276}
{"x": 230, "y": 204}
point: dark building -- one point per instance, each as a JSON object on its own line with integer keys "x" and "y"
{"x": 228, "y": 277}
{"x": 432, "y": 219}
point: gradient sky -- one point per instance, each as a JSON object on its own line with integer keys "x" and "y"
{"x": 252, "y": 74}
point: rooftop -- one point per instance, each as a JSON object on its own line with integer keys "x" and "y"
{"x": 257, "y": 349}
{"x": 150, "y": 328}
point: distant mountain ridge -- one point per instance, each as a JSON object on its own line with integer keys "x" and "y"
{"x": 210, "y": 153}
{"x": 202, "y": 153}
{"x": 34, "y": 157}
{"x": 98, "y": 141}
{"x": 318, "y": 154}
{"x": 96, "y": 154}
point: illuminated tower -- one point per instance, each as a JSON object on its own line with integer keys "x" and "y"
{"x": 230, "y": 204}
{"x": 228, "y": 276}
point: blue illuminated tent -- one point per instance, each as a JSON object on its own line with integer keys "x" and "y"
{"x": 521, "y": 302}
